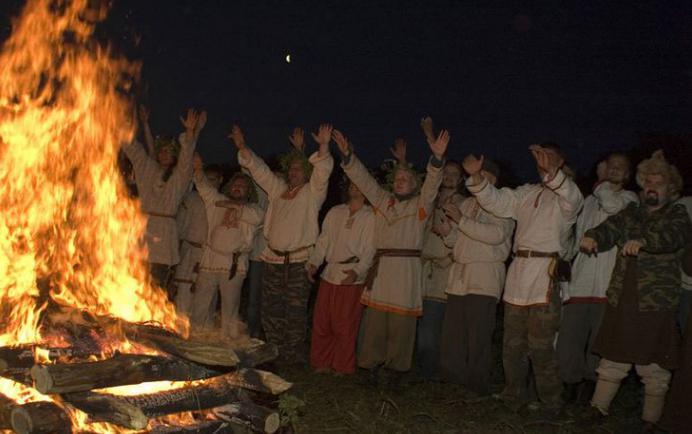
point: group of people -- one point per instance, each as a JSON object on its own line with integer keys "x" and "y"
{"x": 410, "y": 265}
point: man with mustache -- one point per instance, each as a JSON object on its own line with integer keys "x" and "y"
{"x": 232, "y": 222}
{"x": 639, "y": 327}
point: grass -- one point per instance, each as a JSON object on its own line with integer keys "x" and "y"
{"x": 346, "y": 404}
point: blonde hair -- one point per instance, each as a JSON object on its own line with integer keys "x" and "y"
{"x": 657, "y": 165}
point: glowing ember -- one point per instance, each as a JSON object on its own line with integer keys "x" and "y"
{"x": 69, "y": 234}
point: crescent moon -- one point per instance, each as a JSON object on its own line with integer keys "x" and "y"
{"x": 288, "y": 58}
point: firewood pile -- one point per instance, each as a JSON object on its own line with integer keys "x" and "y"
{"x": 219, "y": 383}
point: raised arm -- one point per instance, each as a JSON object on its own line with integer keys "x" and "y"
{"x": 357, "y": 172}
{"x": 501, "y": 202}
{"x": 549, "y": 163}
{"x": 273, "y": 185}
{"x": 433, "y": 178}
{"x": 143, "y": 165}
{"x": 193, "y": 123}
{"x": 322, "y": 163}
{"x": 146, "y": 129}
{"x": 208, "y": 193}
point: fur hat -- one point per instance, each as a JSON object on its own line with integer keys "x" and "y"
{"x": 657, "y": 165}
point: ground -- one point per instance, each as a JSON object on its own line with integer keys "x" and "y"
{"x": 346, "y": 404}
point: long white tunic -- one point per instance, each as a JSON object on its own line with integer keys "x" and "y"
{"x": 259, "y": 243}
{"x": 481, "y": 243}
{"x": 544, "y": 214}
{"x": 160, "y": 199}
{"x": 192, "y": 219}
{"x": 398, "y": 287}
{"x": 591, "y": 273}
{"x": 343, "y": 237}
{"x": 231, "y": 229}
{"x": 437, "y": 256}
{"x": 291, "y": 222}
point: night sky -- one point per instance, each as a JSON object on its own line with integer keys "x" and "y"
{"x": 499, "y": 75}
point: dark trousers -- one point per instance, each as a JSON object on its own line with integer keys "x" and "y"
{"x": 159, "y": 274}
{"x": 285, "y": 309}
{"x": 467, "y": 334}
{"x": 428, "y": 333}
{"x": 528, "y": 347}
{"x": 254, "y": 298}
{"x": 578, "y": 330}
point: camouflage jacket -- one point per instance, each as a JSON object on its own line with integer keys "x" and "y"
{"x": 664, "y": 234}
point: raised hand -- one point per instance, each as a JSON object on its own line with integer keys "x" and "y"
{"x": 472, "y": 165}
{"x": 632, "y": 247}
{"x": 201, "y": 122}
{"x": 238, "y": 138}
{"x": 351, "y": 277}
{"x": 143, "y": 113}
{"x": 190, "y": 121}
{"x": 427, "y": 125}
{"x": 547, "y": 160}
{"x": 588, "y": 245}
{"x": 197, "y": 163}
{"x": 323, "y": 137}
{"x": 342, "y": 143}
{"x": 399, "y": 150}
{"x": 439, "y": 146}
{"x": 297, "y": 139}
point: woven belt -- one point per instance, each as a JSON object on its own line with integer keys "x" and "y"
{"x": 351, "y": 260}
{"x": 166, "y": 216}
{"x": 287, "y": 259}
{"x": 193, "y": 244}
{"x": 391, "y": 253}
{"x": 535, "y": 254}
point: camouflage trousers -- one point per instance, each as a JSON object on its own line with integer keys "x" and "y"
{"x": 529, "y": 333}
{"x": 285, "y": 309}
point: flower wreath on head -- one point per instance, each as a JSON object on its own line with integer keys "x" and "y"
{"x": 286, "y": 159}
{"x": 252, "y": 196}
{"x": 389, "y": 177}
{"x": 164, "y": 141}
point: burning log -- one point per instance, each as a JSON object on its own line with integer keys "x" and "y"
{"x": 24, "y": 356}
{"x": 6, "y": 407}
{"x": 204, "y": 427}
{"x": 135, "y": 411}
{"x": 119, "y": 370}
{"x": 253, "y": 354}
{"x": 259, "y": 381}
{"x": 39, "y": 418}
{"x": 249, "y": 414}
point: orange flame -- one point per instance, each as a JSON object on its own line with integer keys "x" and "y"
{"x": 68, "y": 231}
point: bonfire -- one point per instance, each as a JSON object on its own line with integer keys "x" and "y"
{"x": 87, "y": 343}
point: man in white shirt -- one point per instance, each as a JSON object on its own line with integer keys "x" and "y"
{"x": 481, "y": 244}
{"x": 346, "y": 243}
{"x": 586, "y": 299}
{"x": 223, "y": 266}
{"x": 544, "y": 214}
{"x": 192, "y": 228}
{"x": 161, "y": 184}
{"x": 291, "y": 230}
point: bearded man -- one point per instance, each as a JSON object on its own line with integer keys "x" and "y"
{"x": 639, "y": 327}
{"x": 233, "y": 221}
{"x": 291, "y": 229}
{"x": 393, "y": 295}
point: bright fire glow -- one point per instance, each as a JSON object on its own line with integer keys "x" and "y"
{"x": 65, "y": 216}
